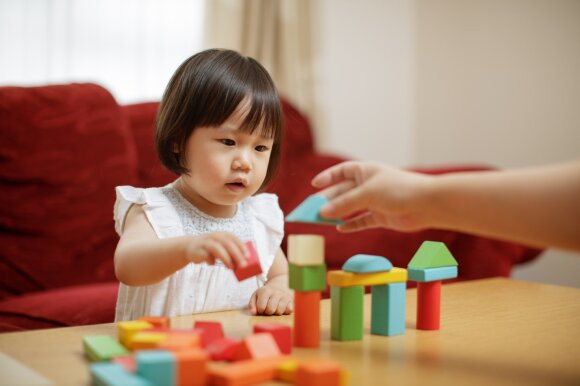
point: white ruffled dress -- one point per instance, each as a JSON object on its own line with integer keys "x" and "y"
{"x": 197, "y": 288}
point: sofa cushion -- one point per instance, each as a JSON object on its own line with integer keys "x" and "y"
{"x": 63, "y": 149}
{"x": 71, "y": 306}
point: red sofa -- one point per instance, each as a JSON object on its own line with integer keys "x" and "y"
{"x": 64, "y": 148}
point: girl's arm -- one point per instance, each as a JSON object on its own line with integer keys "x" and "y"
{"x": 141, "y": 258}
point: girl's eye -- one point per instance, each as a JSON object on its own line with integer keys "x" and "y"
{"x": 261, "y": 148}
{"x": 228, "y": 142}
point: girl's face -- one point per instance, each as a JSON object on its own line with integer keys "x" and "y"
{"x": 226, "y": 165}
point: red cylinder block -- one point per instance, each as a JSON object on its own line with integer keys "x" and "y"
{"x": 307, "y": 319}
{"x": 428, "y": 305}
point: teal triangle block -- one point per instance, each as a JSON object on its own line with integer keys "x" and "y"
{"x": 432, "y": 254}
{"x": 309, "y": 211}
{"x": 367, "y": 264}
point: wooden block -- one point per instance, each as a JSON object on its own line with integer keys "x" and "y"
{"x": 346, "y": 313}
{"x": 253, "y": 266}
{"x": 180, "y": 341}
{"x": 432, "y": 274}
{"x": 157, "y": 321}
{"x": 367, "y": 264}
{"x": 306, "y": 249}
{"x": 319, "y": 372}
{"x": 157, "y": 366}
{"x": 209, "y": 331}
{"x": 127, "y": 361}
{"x": 428, "y": 305}
{"x": 432, "y": 254}
{"x": 306, "y": 319}
{"x": 223, "y": 349}
{"x": 245, "y": 373}
{"x": 349, "y": 279}
{"x": 307, "y": 278}
{"x": 287, "y": 371}
{"x": 127, "y": 329}
{"x": 191, "y": 367}
{"x": 102, "y": 348}
{"x": 309, "y": 211}
{"x": 281, "y": 333}
{"x": 113, "y": 374}
{"x": 388, "y": 309}
{"x": 260, "y": 345}
{"x": 146, "y": 340}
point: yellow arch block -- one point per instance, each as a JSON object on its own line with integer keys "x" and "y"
{"x": 350, "y": 279}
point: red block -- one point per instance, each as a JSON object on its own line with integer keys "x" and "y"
{"x": 257, "y": 346}
{"x": 252, "y": 267}
{"x": 223, "y": 349}
{"x": 282, "y": 334}
{"x": 428, "y": 305}
{"x": 127, "y": 361}
{"x": 306, "y": 319}
{"x": 209, "y": 331}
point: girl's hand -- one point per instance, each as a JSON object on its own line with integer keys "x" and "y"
{"x": 222, "y": 246}
{"x": 271, "y": 300}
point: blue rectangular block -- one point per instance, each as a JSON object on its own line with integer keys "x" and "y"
{"x": 432, "y": 274}
{"x": 388, "y": 309}
{"x": 113, "y": 374}
{"x": 157, "y": 366}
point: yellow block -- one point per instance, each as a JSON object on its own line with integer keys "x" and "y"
{"x": 146, "y": 340}
{"x": 287, "y": 370}
{"x": 125, "y": 330}
{"x": 350, "y": 279}
{"x": 344, "y": 378}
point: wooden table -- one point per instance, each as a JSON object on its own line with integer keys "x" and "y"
{"x": 493, "y": 332}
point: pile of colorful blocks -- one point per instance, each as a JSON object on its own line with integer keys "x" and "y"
{"x": 150, "y": 352}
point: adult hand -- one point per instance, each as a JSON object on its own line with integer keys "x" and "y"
{"x": 369, "y": 195}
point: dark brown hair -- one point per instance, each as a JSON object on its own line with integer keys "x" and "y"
{"x": 204, "y": 91}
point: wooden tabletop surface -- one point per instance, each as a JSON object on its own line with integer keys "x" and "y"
{"x": 493, "y": 332}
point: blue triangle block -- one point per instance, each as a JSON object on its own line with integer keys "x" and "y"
{"x": 309, "y": 211}
{"x": 367, "y": 264}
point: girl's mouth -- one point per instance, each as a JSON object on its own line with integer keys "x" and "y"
{"x": 235, "y": 187}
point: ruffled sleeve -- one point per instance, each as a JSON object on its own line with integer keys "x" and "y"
{"x": 269, "y": 227}
{"x": 126, "y": 196}
{"x": 161, "y": 214}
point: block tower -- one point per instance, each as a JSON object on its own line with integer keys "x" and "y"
{"x": 307, "y": 279}
{"x": 431, "y": 263}
{"x": 388, "y": 297}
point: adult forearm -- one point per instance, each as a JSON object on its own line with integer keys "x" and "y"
{"x": 538, "y": 207}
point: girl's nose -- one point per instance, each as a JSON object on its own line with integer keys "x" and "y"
{"x": 242, "y": 161}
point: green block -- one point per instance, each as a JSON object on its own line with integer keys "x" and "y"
{"x": 102, "y": 348}
{"x": 388, "y": 309}
{"x": 307, "y": 278}
{"x": 432, "y": 254}
{"x": 346, "y": 315}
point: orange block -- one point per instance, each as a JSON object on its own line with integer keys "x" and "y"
{"x": 319, "y": 372}
{"x": 246, "y": 372}
{"x": 180, "y": 341}
{"x": 156, "y": 321}
{"x": 307, "y": 319}
{"x": 191, "y": 367}
{"x": 260, "y": 345}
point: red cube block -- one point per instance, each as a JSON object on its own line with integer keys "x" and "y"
{"x": 252, "y": 268}
{"x": 282, "y": 334}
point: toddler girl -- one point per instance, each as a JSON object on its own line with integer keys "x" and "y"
{"x": 218, "y": 128}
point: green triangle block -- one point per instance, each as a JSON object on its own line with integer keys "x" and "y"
{"x": 432, "y": 254}
{"x": 309, "y": 211}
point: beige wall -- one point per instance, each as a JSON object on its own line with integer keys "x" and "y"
{"x": 454, "y": 81}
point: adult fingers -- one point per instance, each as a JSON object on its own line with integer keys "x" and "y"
{"x": 337, "y": 189}
{"x": 343, "y": 171}
{"x": 359, "y": 223}
{"x": 349, "y": 202}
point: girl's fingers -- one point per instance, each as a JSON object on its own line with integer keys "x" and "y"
{"x": 252, "y": 304}
{"x": 283, "y": 306}
{"x": 235, "y": 249}
{"x": 218, "y": 252}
